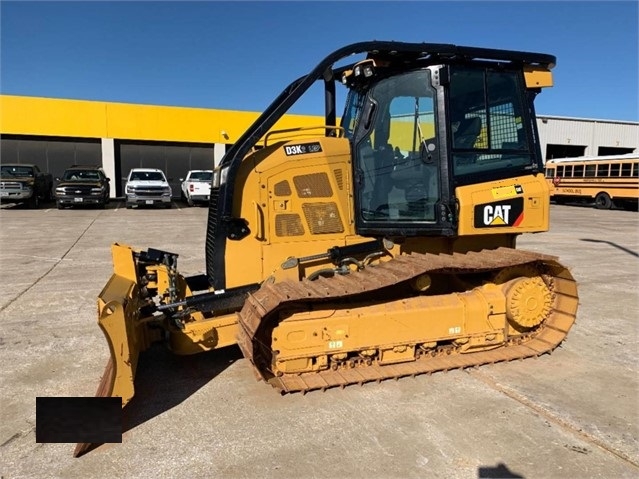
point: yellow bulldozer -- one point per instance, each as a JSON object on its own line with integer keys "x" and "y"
{"x": 380, "y": 247}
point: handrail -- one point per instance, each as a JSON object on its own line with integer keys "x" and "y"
{"x": 340, "y": 131}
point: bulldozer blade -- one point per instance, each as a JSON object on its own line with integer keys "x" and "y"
{"x": 105, "y": 389}
{"x": 127, "y": 337}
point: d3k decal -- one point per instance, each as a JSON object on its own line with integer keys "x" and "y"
{"x": 302, "y": 149}
{"x": 500, "y": 213}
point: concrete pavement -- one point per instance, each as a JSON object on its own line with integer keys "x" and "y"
{"x": 574, "y": 413}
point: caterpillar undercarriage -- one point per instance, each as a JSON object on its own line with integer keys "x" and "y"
{"x": 381, "y": 323}
{"x": 380, "y": 248}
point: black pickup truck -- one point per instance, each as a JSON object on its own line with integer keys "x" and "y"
{"x": 24, "y": 183}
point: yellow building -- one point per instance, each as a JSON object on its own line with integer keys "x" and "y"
{"x": 57, "y": 133}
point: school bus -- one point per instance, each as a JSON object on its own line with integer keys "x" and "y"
{"x": 606, "y": 181}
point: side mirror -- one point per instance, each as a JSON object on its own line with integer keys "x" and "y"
{"x": 57, "y": 178}
{"x": 181, "y": 179}
{"x": 124, "y": 178}
{"x": 108, "y": 179}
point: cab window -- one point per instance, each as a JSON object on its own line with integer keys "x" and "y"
{"x": 395, "y": 158}
{"x": 487, "y": 123}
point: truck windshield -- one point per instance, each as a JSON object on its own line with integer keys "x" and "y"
{"x": 147, "y": 176}
{"x": 81, "y": 175}
{"x": 201, "y": 176}
{"x": 9, "y": 170}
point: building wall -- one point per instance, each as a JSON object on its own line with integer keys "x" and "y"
{"x": 56, "y": 133}
{"x": 95, "y": 119}
{"x": 590, "y": 134}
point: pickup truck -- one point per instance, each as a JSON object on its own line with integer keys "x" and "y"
{"x": 82, "y": 185}
{"x": 196, "y": 187}
{"x": 25, "y": 183}
{"x": 147, "y": 186}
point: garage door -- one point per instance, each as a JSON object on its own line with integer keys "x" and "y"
{"x": 175, "y": 159}
{"x": 51, "y": 155}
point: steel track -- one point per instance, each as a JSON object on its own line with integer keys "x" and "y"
{"x": 263, "y": 308}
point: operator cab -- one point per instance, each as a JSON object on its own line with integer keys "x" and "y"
{"x": 418, "y": 134}
{"x": 422, "y": 119}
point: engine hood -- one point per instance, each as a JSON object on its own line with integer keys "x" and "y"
{"x": 22, "y": 179}
{"x": 71, "y": 184}
{"x": 147, "y": 183}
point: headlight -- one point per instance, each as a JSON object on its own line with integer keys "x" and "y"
{"x": 130, "y": 190}
{"x": 96, "y": 191}
{"x": 60, "y": 190}
{"x": 166, "y": 190}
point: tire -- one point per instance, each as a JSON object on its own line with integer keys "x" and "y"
{"x": 34, "y": 202}
{"x": 189, "y": 202}
{"x": 59, "y": 205}
{"x": 603, "y": 201}
{"x": 129, "y": 206}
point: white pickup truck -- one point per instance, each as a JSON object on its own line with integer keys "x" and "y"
{"x": 147, "y": 186}
{"x": 196, "y": 187}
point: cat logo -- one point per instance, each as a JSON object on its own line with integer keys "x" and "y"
{"x": 501, "y": 213}
{"x": 496, "y": 215}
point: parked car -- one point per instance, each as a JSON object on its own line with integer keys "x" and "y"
{"x": 196, "y": 187}
{"x": 83, "y": 185}
{"x": 25, "y": 183}
{"x": 147, "y": 186}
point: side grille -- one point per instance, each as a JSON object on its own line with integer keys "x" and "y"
{"x": 282, "y": 189}
{"x": 323, "y": 218}
{"x": 315, "y": 185}
{"x": 339, "y": 178}
{"x": 288, "y": 225}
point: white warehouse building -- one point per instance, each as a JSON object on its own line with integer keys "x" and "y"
{"x": 566, "y": 137}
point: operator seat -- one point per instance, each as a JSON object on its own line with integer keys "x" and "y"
{"x": 383, "y": 166}
{"x": 467, "y": 133}
{"x": 418, "y": 180}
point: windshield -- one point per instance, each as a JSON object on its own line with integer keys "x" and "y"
{"x": 397, "y": 171}
{"x": 354, "y": 104}
{"x": 201, "y": 176}
{"x": 17, "y": 171}
{"x": 81, "y": 175}
{"x": 147, "y": 176}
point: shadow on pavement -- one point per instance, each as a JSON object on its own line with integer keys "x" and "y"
{"x": 500, "y": 471}
{"x": 163, "y": 380}
{"x": 614, "y": 245}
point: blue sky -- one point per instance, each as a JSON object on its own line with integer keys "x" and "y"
{"x": 240, "y": 55}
